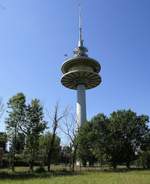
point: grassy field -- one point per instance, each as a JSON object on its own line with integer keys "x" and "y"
{"x": 130, "y": 177}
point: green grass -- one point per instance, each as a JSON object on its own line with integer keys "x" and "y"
{"x": 130, "y": 177}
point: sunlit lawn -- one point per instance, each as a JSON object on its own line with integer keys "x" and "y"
{"x": 130, "y": 177}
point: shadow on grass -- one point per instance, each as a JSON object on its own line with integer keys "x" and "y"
{"x": 28, "y": 175}
{"x": 109, "y": 170}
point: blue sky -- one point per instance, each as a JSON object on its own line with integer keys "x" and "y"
{"x": 35, "y": 35}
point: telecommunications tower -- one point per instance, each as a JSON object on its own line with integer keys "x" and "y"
{"x": 80, "y": 72}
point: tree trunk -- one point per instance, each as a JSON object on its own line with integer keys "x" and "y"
{"x": 49, "y": 162}
{"x": 128, "y": 165}
{"x": 74, "y": 157}
{"x": 51, "y": 147}
{"x": 12, "y": 159}
{"x": 91, "y": 163}
{"x": 31, "y": 166}
{"x": 84, "y": 163}
{"x": 14, "y": 151}
{"x": 114, "y": 165}
{"x": 48, "y": 168}
{"x": 32, "y": 158}
{"x": 12, "y": 166}
{"x": 73, "y": 164}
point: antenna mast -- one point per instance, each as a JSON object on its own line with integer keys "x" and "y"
{"x": 80, "y": 50}
{"x": 80, "y": 43}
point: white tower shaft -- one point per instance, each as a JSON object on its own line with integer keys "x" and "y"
{"x": 81, "y": 105}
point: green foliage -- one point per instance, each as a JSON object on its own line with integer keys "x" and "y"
{"x": 24, "y": 125}
{"x": 145, "y": 151}
{"x": 33, "y": 127}
{"x": 66, "y": 155}
{"x": 86, "y": 147}
{"x": 3, "y": 140}
{"x": 116, "y": 139}
{"x": 40, "y": 170}
{"x": 119, "y": 139}
{"x": 16, "y": 117}
{"x": 126, "y": 134}
{"x": 45, "y": 146}
{"x": 19, "y": 142}
{"x": 92, "y": 140}
{"x": 145, "y": 159}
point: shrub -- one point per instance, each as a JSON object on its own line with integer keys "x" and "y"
{"x": 40, "y": 170}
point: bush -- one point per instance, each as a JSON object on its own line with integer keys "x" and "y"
{"x": 145, "y": 159}
{"x": 40, "y": 170}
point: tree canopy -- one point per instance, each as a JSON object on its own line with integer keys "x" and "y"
{"x": 116, "y": 139}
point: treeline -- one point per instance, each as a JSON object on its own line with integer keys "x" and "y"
{"x": 29, "y": 139}
{"x": 123, "y": 138}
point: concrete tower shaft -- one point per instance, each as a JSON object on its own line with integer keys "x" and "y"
{"x": 81, "y": 105}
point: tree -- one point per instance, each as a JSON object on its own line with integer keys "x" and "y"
{"x": 70, "y": 129}
{"x": 55, "y": 122}
{"x": 19, "y": 143}
{"x": 45, "y": 146}
{"x": 85, "y": 148}
{"x": 117, "y": 139}
{"x": 145, "y": 150}
{"x": 32, "y": 128}
{"x": 25, "y": 122}
{"x": 92, "y": 139}
{"x": 16, "y": 116}
{"x": 3, "y": 140}
{"x": 126, "y": 133}
{"x": 65, "y": 155}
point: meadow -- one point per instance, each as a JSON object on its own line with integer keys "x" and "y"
{"x": 93, "y": 177}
